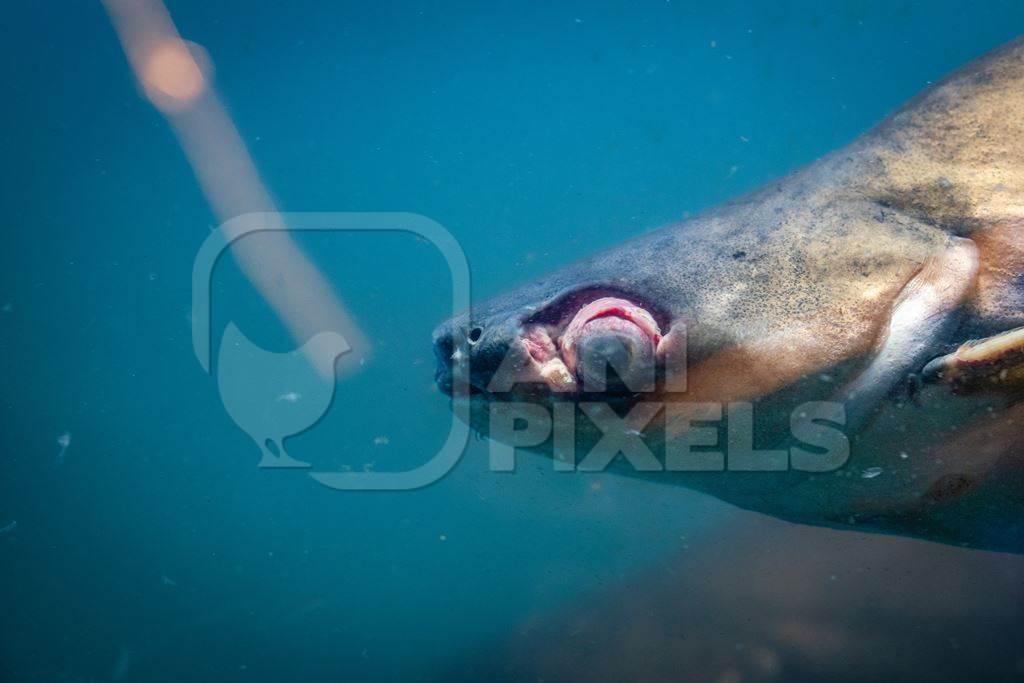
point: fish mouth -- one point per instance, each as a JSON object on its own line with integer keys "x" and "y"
{"x": 591, "y": 342}
{"x": 584, "y": 343}
{"x": 615, "y": 329}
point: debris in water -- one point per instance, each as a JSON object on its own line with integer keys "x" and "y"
{"x": 64, "y": 440}
{"x": 7, "y": 307}
{"x": 167, "y": 581}
{"x": 904, "y": 455}
{"x": 9, "y": 528}
{"x": 290, "y": 397}
{"x": 871, "y": 472}
{"x": 123, "y": 662}
{"x": 381, "y": 440}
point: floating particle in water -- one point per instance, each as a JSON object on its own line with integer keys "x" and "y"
{"x": 7, "y": 307}
{"x": 368, "y": 467}
{"x": 290, "y": 397}
{"x": 381, "y": 440}
{"x": 64, "y": 440}
{"x": 124, "y": 662}
{"x": 871, "y": 472}
{"x": 167, "y": 581}
{"x": 442, "y": 537}
{"x": 9, "y": 528}
{"x": 903, "y": 455}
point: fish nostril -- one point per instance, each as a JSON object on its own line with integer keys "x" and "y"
{"x": 474, "y": 335}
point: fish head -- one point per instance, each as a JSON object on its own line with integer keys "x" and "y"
{"x": 624, "y": 327}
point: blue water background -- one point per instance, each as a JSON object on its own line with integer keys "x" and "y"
{"x": 155, "y": 549}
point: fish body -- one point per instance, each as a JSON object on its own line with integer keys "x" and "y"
{"x": 837, "y": 285}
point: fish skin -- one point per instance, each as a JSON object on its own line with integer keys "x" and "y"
{"x": 800, "y": 280}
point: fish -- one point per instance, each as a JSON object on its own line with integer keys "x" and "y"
{"x": 863, "y": 314}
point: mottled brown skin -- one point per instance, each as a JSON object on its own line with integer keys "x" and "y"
{"x": 954, "y": 157}
{"x": 787, "y": 292}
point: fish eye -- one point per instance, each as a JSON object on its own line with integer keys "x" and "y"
{"x": 475, "y": 334}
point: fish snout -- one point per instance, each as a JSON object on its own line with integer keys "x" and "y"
{"x": 444, "y": 348}
{"x": 469, "y": 354}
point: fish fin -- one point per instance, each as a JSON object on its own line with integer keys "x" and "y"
{"x": 923, "y": 312}
{"x": 994, "y": 364}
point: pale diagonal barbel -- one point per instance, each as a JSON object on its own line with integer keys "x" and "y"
{"x": 175, "y": 76}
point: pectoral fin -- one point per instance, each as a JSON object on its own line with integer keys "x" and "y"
{"x": 992, "y": 364}
{"x": 924, "y": 312}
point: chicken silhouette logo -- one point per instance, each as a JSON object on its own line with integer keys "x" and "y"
{"x": 272, "y": 396}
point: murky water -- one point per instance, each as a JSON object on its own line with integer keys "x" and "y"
{"x": 138, "y": 538}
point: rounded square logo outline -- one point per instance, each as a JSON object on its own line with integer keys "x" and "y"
{"x": 231, "y": 230}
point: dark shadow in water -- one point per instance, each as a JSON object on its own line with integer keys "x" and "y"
{"x": 775, "y": 601}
